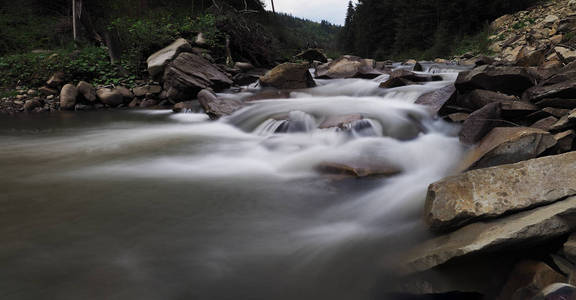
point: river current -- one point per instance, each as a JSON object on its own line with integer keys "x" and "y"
{"x": 155, "y": 205}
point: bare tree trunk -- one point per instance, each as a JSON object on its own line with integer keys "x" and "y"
{"x": 74, "y": 31}
{"x": 273, "y": 8}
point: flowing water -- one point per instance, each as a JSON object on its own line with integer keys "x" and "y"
{"x": 156, "y": 205}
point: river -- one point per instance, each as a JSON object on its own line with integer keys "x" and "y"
{"x": 155, "y": 205}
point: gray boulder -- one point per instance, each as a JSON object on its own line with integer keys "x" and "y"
{"x": 493, "y": 192}
{"x": 158, "y": 61}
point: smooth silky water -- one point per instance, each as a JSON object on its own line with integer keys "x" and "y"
{"x": 155, "y": 205}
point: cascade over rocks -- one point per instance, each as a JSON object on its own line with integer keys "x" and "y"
{"x": 348, "y": 67}
{"x": 190, "y": 73}
{"x": 288, "y": 76}
{"x": 493, "y": 192}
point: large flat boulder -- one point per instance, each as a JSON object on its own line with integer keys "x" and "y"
{"x": 158, "y": 61}
{"x": 190, "y": 73}
{"x": 512, "y": 232}
{"x": 507, "y": 145}
{"x": 504, "y": 79}
{"x": 493, "y": 192}
{"x": 288, "y": 76}
{"x": 348, "y": 67}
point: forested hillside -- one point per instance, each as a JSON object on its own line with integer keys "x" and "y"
{"x": 420, "y": 28}
{"x": 125, "y": 33}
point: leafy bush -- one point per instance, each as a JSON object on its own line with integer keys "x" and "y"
{"x": 32, "y": 70}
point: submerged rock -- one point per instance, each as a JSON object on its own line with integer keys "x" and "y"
{"x": 288, "y": 76}
{"x": 358, "y": 169}
{"x": 519, "y": 230}
{"x": 493, "y": 192}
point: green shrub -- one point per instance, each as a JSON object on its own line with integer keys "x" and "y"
{"x": 32, "y": 70}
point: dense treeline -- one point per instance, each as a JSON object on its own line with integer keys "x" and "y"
{"x": 418, "y": 28}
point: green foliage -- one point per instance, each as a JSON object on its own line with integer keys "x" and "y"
{"x": 90, "y": 64}
{"x": 26, "y": 33}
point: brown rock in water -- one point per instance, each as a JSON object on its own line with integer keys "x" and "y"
{"x": 270, "y": 94}
{"x": 480, "y": 122}
{"x": 340, "y": 121}
{"x": 556, "y": 112}
{"x": 142, "y": 91}
{"x": 183, "y": 106}
{"x": 188, "y": 74}
{"x": 527, "y": 279}
{"x": 402, "y": 77}
{"x": 438, "y": 99}
{"x": 493, "y": 192}
{"x": 569, "y": 248}
{"x": 348, "y": 67}
{"x": 358, "y": 169}
{"x": 507, "y": 145}
{"x": 87, "y": 91}
{"x": 504, "y": 79}
{"x": 517, "y": 231}
{"x": 216, "y": 108}
{"x": 288, "y": 76}
{"x": 110, "y": 97}
{"x": 68, "y": 97}
{"x": 148, "y": 103}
